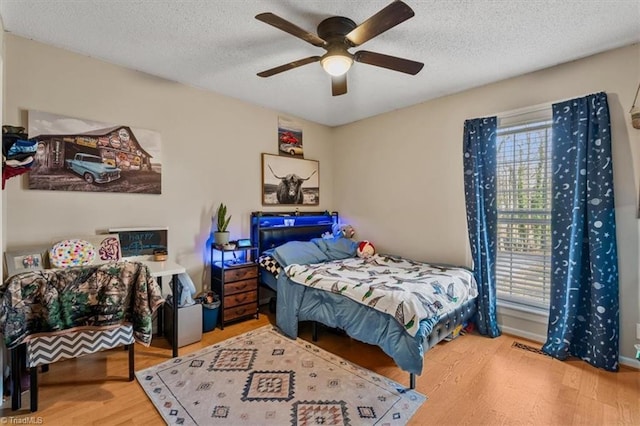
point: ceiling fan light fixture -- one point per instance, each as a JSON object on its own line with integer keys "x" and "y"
{"x": 338, "y": 34}
{"x": 336, "y": 64}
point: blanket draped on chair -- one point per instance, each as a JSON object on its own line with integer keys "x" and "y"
{"x": 90, "y": 297}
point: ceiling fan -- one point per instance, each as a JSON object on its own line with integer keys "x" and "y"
{"x": 337, "y": 35}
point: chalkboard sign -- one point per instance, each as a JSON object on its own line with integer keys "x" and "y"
{"x": 138, "y": 242}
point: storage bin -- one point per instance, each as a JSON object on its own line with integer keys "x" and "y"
{"x": 210, "y": 315}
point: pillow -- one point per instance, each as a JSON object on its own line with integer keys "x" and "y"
{"x": 267, "y": 262}
{"x": 301, "y": 252}
{"x": 336, "y": 248}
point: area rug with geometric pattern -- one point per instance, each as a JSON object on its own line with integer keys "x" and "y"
{"x": 264, "y": 378}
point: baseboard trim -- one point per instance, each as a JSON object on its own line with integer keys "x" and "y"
{"x": 629, "y": 362}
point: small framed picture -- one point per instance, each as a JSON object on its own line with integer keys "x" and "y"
{"x": 25, "y": 260}
{"x": 290, "y": 181}
{"x": 143, "y": 241}
{"x": 290, "y": 138}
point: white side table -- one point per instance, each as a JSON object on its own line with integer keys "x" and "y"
{"x": 171, "y": 269}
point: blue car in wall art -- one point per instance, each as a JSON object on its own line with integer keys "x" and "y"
{"x": 92, "y": 168}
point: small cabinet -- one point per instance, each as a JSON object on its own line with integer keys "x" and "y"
{"x": 234, "y": 277}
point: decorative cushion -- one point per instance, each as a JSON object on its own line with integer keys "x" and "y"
{"x": 89, "y": 250}
{"x": 270, "y": 264}
{"x": 68, "y": 253}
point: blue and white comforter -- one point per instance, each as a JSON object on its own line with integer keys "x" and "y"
{"x": 410, "y": 291}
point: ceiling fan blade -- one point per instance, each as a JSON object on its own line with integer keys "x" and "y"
{"x": 339, "y": 85}
{"x": 289, "y": 66}
{"x": 385, "y": 19}
{"x": 286, "y": 26}
{"x": 390, "y": 62}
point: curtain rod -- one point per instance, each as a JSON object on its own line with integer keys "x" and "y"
{"x": 524, "y": 110}
{"x": 538, "y": 107}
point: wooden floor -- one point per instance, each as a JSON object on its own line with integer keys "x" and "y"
{"x": 472, "y": 380}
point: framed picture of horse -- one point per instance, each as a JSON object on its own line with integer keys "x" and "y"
{"x": 290, "y": 181}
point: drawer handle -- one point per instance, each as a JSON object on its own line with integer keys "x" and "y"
{"x": 241, "y": 298}
{"x": 242, "y": 287}
{"x": 241, "y": 311}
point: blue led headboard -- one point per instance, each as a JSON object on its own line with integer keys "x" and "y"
{"x": 272, "y": 229}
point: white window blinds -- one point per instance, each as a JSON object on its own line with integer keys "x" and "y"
{"x": 524, "y": 209}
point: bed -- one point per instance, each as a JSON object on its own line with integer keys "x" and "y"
{"x": 315, "y": 285}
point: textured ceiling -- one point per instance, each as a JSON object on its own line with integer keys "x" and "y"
{"x": 219, "y": 46}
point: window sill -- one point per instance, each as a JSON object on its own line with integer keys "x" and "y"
{"x": 525, "y": 312}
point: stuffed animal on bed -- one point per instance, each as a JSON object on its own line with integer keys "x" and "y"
{"x": 365, "y": 249}
{"x": 347, "y": 231}
{"x": 339, "y": 231}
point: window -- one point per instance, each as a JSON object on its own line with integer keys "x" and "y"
{"x": 524, "y": 209}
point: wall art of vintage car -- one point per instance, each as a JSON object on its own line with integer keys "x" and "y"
{"x": 288, "y": 137}
{"x": 291, "y": 149}
{"x": 92, "y": 169}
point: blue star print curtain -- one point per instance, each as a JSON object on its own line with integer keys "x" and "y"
{"x": 482, "y": 216}
{"x": 583, "y": 319}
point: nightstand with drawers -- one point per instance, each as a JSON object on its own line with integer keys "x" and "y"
{"x": 235, "y": 279}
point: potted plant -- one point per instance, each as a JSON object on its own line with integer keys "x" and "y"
{"x": 221, "y": 236}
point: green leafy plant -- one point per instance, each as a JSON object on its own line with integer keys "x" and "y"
{"x": 223, "y": 220}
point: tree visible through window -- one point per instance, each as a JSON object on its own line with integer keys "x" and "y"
{"x": 524, "y": 213}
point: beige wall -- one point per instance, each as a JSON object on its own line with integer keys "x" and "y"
{"x": 211, "y": 148}
{"x": 399, "y": 175}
